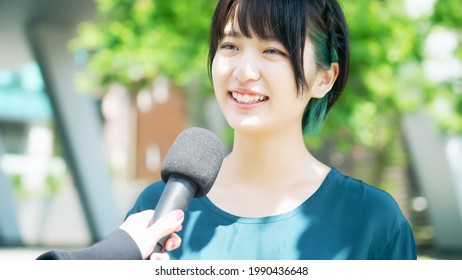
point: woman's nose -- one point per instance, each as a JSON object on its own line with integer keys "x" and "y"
{"x": 246, "y": 68}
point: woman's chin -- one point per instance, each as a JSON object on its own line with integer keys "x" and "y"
{"x": 250, "y": 125}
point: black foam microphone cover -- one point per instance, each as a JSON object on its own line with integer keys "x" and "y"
{"x": 196, "y": 154}
{"x": 189, "y": 170}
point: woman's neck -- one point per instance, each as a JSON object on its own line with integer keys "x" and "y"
{"x": 266, "y": 175}
{"x": 269, "y": 159}
{"x": 257, "y": 158}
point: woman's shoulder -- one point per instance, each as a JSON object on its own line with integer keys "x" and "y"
{"x": 148, "y": 198}
{"x": 358, "y": 193}
{"x": 155, "y": 189}
{"x": 369, "y": 206}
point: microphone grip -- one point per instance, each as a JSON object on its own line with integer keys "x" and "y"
{"x": 177, "y": 194}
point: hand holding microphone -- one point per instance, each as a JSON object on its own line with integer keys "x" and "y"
{"x": 133, "y": 240}
{"x": 189, "y": 170}
{"x": 145, "y": 234}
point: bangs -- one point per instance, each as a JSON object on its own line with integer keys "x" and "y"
{"x": 254, "y": 17}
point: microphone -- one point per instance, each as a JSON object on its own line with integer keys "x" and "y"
{"x": 189, "y": 170}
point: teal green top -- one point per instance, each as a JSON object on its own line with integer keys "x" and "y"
{"x": 344, "y": 219}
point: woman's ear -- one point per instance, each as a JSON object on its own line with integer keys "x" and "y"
{"x": 325, "y": 80}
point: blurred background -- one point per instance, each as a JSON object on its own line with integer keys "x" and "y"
{"x": 92, "y": 94}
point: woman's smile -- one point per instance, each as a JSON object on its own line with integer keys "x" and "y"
{"x": 247, "y": 99}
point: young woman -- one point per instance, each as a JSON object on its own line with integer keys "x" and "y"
{"x": 277, "y": 68}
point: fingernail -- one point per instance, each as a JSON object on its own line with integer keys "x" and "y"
{"x": 171, "y": 244}
{"x": 179, "y": 215}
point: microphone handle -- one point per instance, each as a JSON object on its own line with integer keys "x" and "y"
{"x": 177, "y": 194}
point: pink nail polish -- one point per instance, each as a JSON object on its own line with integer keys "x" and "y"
{"x": 179, "y": 215}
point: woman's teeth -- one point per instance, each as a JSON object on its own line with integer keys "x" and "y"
{"x": 248, "y": 99}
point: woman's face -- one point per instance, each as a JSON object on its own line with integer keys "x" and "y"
{"x": 255, "y": 85}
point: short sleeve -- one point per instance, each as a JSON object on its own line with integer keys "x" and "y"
{"x": 402, "y": 245}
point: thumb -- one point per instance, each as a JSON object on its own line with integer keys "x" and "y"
{"x": 167, "y": 224}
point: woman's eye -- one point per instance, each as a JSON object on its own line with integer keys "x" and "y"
{"x": 275, "y": 52}
{"x": 228, "y": 46}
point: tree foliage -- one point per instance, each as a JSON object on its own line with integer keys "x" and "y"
{"x": 133, "y": 41}
{"x": 387, "y": 76}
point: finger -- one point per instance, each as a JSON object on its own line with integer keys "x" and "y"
{"x": 167, "y": 224}
{"x": 147, "y": 215}
{"x": 173, "y": 242}
{"x": 160, "y": 256}
{"x": 179, "y": 228}
{"x": 140, "y": 219}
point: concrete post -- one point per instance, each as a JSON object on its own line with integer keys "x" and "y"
{"x": 79, "y": 126}
{"x": 9, "y": 231}
{"x": 434, "y": 178}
